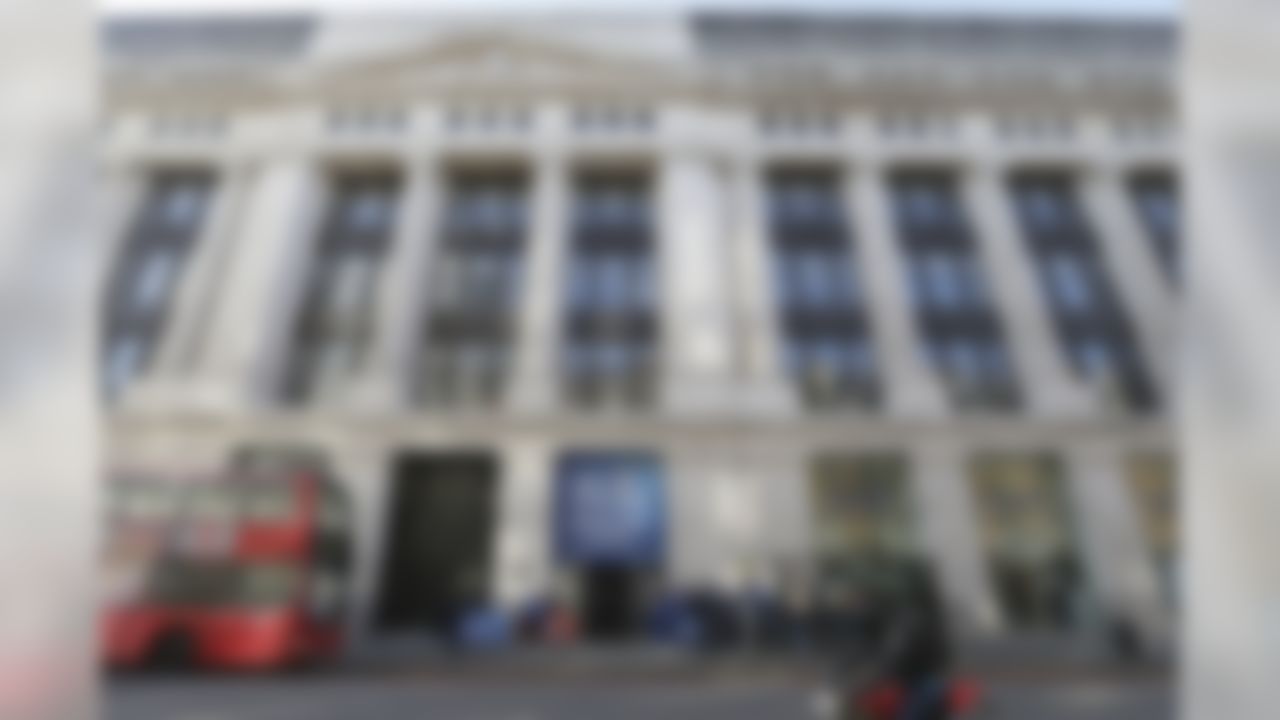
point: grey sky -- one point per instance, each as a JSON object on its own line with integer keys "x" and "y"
{"x": 1056, "y": 7}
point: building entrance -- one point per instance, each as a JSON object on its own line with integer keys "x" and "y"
{"x": 438, "y": 552}
{"x": 611, "y": 598}
{"x": 611, "y": 529}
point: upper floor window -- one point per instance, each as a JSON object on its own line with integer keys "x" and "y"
{"x": 610, "y": 324}
{"x": 620, "y": 204}
{"x": 959, "y": 329}
{"x": 498, "y": 207}
{"x": 334, "y": 323}
{"x": 817, "y": 279}
{"x": 476, "y": 282}
{"x": 923, "y": 204}
{"x": 367, "y": 210}
{"x": 1094, "y": 332}
{"x": 1044, "y": 208}
{"x": 1156, "y": 198}
{"x": 829, "y": 350}
{"x": 1070, "y": 281}
{"x": 146, "y": 276}
{"x": 612, "y": 282}
{"x": 801, "y": 200}
{"x": 946, "y": 281}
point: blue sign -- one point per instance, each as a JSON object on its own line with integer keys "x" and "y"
{"x": 610, "y": 508}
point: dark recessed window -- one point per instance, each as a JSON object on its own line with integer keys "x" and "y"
{"x": 334, "y": 325}
{"x": 959, "y": 328}
{"x": 1094, "y": 331}
{"x": 147, "y": 275}
{"x": 476, "y": 284}
{"x": 829, "y": 352}
{"x": 610, "y": 326}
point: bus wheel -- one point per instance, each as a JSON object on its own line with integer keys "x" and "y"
{"x": 175, "y": 650}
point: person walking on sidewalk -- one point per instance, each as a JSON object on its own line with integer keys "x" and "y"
{"x": 917, "y": 652}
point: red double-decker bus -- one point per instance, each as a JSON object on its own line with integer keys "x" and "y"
{"x": 252, "y": 575}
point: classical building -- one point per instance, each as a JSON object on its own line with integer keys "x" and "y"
{"x": 606, "y": 306}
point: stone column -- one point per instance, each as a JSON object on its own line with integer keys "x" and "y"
{"x": 1042, "y": 368}
{"x": 386, "y": 376}
{"x": 948, "y": 520}
{"x": 691, "y": 540}
{"x": 186, "y": 338}
{"x": 535, "y": 379}
{"x": 766, "y": 387}
{"x": 912, "y": 388}
{"x": 252, "y": 325}
{"x": 1132, "y": 265}
{"x": 523, "y": 552}
{"x": 695, "y": 316}
{"x": 1110, "y": 536}
{"x": 365, "y": 475}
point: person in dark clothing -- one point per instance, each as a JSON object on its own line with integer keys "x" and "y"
{"x": 917, "y": 650}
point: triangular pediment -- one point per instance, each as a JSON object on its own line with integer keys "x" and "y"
{"x": 494, "y": 60}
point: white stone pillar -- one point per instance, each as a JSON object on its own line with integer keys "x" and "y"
{"x": 691, "y": 547}
{"x": 1133, "y": 266}
{"x": 252, "y": 327}
{"x": 911, "y": 387}
{"x": 186, "y": 336}
{"x": 783, "y": 508}
{"x": 765, "y": 386}
{"x": 1110, "y": 535}
{"x": 695, "y": 316}
{"x": 400, "y": 305}
{"x": 1043, "y": 371}
{"x": 536, "y": 378}
{"x": 524, "y": 562}
{"x": 365, "y": 474}
{"x": 948, "y": 520}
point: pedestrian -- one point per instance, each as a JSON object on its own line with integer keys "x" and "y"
{"x": 917, "y": 649}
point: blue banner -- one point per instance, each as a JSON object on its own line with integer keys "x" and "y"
{"x": 610, "y": 508}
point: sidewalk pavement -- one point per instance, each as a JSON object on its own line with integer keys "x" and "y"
{"x": 658, "y": 663}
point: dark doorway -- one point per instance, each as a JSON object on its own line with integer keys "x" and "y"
{"x": 438, "y": 553}
{"x": 611, "y": 595}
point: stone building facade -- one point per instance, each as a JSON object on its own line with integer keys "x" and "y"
{"x": 797, "y": 288}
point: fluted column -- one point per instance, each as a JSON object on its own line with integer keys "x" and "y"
{"x": 952, "y": 538}
{"x": 401, "y": 298}
{"x": 766, "y": 386}
{"x": 524, "y": 565}
{"x": 912, "y": 388}
{"x": 535, "y": 380}
{"x": 252, "y": 326}
{"x": 1111, "y": 536}
{"x": 694, "y": 279}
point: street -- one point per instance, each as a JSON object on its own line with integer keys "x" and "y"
{"x": 377, "y": 697}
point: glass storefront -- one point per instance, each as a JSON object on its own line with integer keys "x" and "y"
{"x": 864, "y": 527}
{"x": 1028, "y": 538}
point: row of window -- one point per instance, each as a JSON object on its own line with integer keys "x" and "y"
{"x": 817, "y": 280}
{"x": 865, "y": 519}
{"x": 611, "y": 285}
